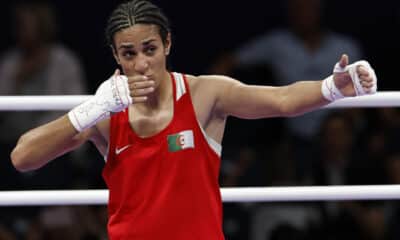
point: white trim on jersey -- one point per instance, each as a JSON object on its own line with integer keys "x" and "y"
{"x": 180, "y": 85}
{"x": 180, "y": 91}
{"x": 105, "y": 156}
{"x": 214, "y": 145}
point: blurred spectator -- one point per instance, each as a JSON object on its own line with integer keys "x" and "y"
{"x": 58, "y": 223}
{"x": 36, "y": 65}
{"x": 378, "y": 138}
{"x": 334, "y": 155}
{"x": 72, "y": 223}
{"x": 339, "y": 163}
{"x": 305, "y": 50}
{"x": 269, "y": 219}
{"x": 333, "y": 160}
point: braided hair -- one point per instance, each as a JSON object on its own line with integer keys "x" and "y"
{"x": 134, "y": 12}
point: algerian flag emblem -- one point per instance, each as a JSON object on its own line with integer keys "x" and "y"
{"x": 180, "y": 141}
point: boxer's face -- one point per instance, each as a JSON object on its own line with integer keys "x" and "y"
{"x": 139, "y": 50}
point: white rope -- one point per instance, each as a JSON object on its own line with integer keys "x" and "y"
{"x": 39, "y": 103}
{"x": 53, "y": 197}
{"x": 66, "y": 102}
{"x": 98, "y": 197}
{"x": 259, "y": 194}
{"x": 380, "y": 99}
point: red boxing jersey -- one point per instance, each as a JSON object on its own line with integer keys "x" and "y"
{"x": 164, "y": 186}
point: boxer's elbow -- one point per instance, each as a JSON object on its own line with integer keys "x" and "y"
{"x": 22, "y": 157}
{"x": 19, "y": 160}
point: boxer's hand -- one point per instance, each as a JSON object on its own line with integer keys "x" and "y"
{"x": 113, "y": 95}
{"x": 139, "y": 87}
{"x": 356, "y": 79}
{"x": 349, "y": 80}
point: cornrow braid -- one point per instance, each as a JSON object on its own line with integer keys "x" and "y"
{"x": 135, "y": 12}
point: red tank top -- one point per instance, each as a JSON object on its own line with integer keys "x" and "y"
{"x": 164, "y": 186}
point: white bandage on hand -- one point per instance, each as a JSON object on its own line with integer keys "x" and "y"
{"x": 352, "y": 69}
{"x": 112, "y": 96}
{"x": 332, "y": 93}
{"x": 329, "y": 89}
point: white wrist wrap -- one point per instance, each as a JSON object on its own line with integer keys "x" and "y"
{"x": 329, "y": 89}
{"x": 112, "y": 96}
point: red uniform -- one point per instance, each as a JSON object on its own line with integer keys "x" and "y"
{"x": 164, "y": 186}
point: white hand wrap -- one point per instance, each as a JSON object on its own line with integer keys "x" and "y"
{"x": 112, "y": 96}
{"x": 329, "y": 89}
{"x": 332, "y": 93}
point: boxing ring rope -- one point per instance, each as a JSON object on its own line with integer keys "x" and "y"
{"x": 40, "y": 103}
{"x": 66, "y": 102}
{"x": 250, "y": 194}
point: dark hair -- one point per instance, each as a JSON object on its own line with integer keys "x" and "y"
{"x": 133, "y": 12}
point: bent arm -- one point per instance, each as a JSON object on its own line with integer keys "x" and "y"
{"x": 87, "y": 121}
{"x": 252, "y": 102}
{"x": 45, "y": 143}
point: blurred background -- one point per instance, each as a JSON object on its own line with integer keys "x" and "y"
{"x": 58, "y": 47}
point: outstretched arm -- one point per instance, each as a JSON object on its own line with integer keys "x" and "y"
{"x": 253, "y": 102}
{"x": 245, "y": 101}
